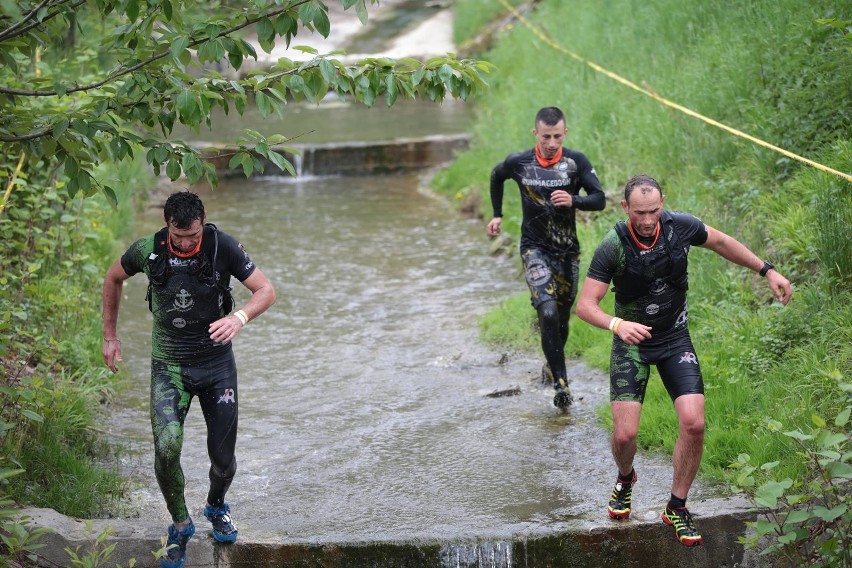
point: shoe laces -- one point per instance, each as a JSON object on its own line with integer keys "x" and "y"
{"x": 682, "y": 519}
{"x": 623, "y": 490}
{"x": 220, "y": 517}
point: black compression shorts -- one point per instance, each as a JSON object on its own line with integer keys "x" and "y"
{"x": 675, "y": 359}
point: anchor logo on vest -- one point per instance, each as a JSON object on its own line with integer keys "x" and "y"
{"x": 227, "y": 396}
{"x": 183, "y": 300}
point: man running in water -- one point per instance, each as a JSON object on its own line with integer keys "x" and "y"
{"x": 189, "y": 265}
{"x": 549, "y": 177}
{"x": 646, "y": 260}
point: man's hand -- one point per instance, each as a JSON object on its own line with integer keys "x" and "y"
{"x": 780, "y": 286}
{"x": 494, "y": 226}
{"x": 111, "y": 350}
{"x": 225, "y": 329}
{"x": 562, "y": 198}
{"x": 633, "y": 333}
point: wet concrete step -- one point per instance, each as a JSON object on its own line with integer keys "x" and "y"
{"x": 401, "y": 156}
{"x": 641, "y": 542}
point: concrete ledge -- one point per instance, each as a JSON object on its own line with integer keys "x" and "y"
{"x": 357, "y": 158}
{"x": 631, "y": 544}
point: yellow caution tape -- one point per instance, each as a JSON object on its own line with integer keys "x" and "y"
{"x": 541, "y": 35}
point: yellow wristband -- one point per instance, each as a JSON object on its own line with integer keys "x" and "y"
{"x": 615, "y": 326}
{"x": 242, "y": 316}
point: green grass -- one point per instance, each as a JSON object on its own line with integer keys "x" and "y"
{"x": 53, "y": 378}
{"x": 769, "y": 68}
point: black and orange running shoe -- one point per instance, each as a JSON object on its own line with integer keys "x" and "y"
{"x": 619, "y": 503}
{"x": 685, "y": 530}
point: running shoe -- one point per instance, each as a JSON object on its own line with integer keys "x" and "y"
{"x": 223, "y": 529}
{"x": 619, "y": 503}
{"x": 176, "y": 555}
{"x": 685, "y": 530}
{"x": 562, "y": 398}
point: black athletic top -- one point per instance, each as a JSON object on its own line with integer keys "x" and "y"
{"x": 547, "y": 227}
{"x": 648, "y": 293}
{"x": 184, "y": 306}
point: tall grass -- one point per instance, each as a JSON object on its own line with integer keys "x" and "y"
{"x": 770, "y": 68}
{"x": 51, "y": 373}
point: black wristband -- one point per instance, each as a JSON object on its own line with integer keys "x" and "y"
{"x": 767, "y": 266}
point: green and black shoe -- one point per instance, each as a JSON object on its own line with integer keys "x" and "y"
{"x": 619, "y": 503}
{"x": 685, "y": 530}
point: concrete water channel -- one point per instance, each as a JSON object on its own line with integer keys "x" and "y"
{"x": 367, "y": 436}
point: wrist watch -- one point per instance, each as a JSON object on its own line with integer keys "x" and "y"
{"x": 767, "y": 266}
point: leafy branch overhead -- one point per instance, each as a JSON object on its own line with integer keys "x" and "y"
{"x": 88, "y": 81}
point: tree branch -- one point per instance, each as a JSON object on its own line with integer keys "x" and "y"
{"x": 153, "y": 58}
{"x": 7, "y": 33}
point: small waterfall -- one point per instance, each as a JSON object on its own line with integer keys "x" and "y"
{"x": 479, "y": 555}
{"x": 297, "y": 161}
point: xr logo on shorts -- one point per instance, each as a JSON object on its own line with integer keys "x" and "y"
{"x": 689, "y": 357}
{"x": 227, "y": 396}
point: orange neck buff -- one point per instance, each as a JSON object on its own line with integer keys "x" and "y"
{"x": 179, "y": 254}
{"x": 636, "y": 239}
{"x": 544, "y": 162}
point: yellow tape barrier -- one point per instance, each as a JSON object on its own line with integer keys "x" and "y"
{"x": 541, "y": 35}
{"x": 11, "y": 184}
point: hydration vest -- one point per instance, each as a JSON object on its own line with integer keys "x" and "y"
{"x": 636, "y": 282}
{"x": 159, "y": 269}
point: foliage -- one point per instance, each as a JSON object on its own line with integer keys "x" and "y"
{"x": 808, "y": 520}
{"x": 51, "y": 377}
{"x": 98, "y": 552}
{"x": 780, "y": 70}
{"x": 89, "y": 82}
{"x": 19, "y": 542}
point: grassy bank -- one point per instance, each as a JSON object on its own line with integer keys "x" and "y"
{"x": 55, "y": 252}
{"x": 777, "y": 70}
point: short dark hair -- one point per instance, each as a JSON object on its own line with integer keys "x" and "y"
{"x": 641, "y": 181}
{"x": 182, "y": 208}
{"x": 550, "y": 116}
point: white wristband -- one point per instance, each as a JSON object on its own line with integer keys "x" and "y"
{"x": 612, "y": 323}
{"x": 241, "y": 315}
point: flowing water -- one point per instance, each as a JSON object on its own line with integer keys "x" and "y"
{"x": 363, "y": 407}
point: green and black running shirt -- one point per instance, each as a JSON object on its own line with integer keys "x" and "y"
{"x": 544, "y": 226}
{"x": 650, "y": 285}
{"x": 185, "y": 304}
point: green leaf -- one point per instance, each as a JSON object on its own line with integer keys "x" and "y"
{"x": 797, "y": 516}
{"x": 839, "y": 470}
{"x": 178, "y": 46}
{"x": 328, "y": 71}
{"x": 768, "y": 494}
{"x": 265, "y": 30}
{"x": 132, "y": 10}
{"x": 390, "y": 89}
{"x": 109, "y": 193}
{"x": 818, "y": 421}
{"x": 282, "y": 163}
{"x": 35, "y": 417}
{"x": 60, "y": 127}
{"x": 843, "y": 417}
{"x": 188, "y": 108}
{"x": 828, "y": 515}
{"x": 798, "y": 435}
{"x": 264, "y": 106}
{"x": 173, "y": 169}
{"x": 322, "y": 24}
